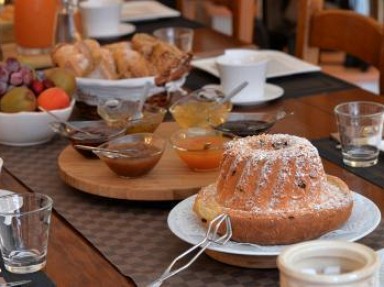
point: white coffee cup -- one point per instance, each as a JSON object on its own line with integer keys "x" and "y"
{"x": 239, "y": 65}
{"x": 100, "y": 17}
{"x": 328, "y": 263}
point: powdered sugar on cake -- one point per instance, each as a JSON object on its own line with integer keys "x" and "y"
{"x": 273, "y": 173}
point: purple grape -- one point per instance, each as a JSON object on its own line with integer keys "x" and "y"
{"x": 3, "y": 88}
{"x": 12, "y": 64}
{"x": 27, "y": 74}
{"x": 4, "y": 74}
{"x": 16, "y": 79}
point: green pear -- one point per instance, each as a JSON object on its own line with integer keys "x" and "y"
{"x": 19, "y": 99}
{"x": 64, "y": 79}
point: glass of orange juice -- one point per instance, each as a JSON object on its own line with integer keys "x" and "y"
{"x": 35, "y": 22}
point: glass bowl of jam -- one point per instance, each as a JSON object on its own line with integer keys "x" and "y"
{"x": 200, "y": 149}
{"x": 249, "y": 124}
{"x": 132, "y": 155}
{"x": 87, "y": 133}
{"x": 152, "y": 117}
{"x": 201, "y": 108}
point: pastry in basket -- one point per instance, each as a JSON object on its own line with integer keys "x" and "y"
{"x": 144, "y": 56}
{"x": 275, "y": 191}
{"x": 86, "y": 59}
{"x": 130, "y": 63}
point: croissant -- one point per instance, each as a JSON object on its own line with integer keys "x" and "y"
{"x": 144, "y": 56}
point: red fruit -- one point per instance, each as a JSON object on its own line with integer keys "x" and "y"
{"x": 48, "y": 83}
{"x": 53, "y": 99}
{"x": 37, "y": 87}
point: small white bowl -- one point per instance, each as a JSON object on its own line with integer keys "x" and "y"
{"x": 29, "y": 128}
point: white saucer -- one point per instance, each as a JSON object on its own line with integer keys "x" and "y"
{"x": 271, "y": 92}
{"x": 124, "y": 29}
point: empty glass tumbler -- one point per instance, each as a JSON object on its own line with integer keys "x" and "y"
{"x": 360, "y": 126}
{"x": 24, "y": 228}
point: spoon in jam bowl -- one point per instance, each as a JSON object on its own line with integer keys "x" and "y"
{"x": 247, "y": 124}
{"x": 65, "y": 123}
{"x": 214, "y": 94}
{"x": 104, "y": 150}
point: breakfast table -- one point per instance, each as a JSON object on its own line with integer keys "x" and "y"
{"x": 101, "y": 241}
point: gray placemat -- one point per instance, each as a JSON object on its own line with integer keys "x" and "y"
{"x": 295, "y": 86}
{"x": 374, "y": 174}
{"x": 133, "y": 236}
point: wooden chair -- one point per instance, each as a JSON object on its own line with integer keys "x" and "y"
{"x": 242, "y": 12}
{"x": 334, "y": 29}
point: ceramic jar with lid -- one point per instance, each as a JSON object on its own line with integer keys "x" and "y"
{"x": 328, "y": 263}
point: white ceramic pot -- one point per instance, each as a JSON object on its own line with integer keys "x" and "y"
{"x": 328, "y": 263}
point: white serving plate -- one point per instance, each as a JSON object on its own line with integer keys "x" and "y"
{"x": 146, "y": 10}
{"x": 186, "y": 225}
{"x": 279, "y": 64}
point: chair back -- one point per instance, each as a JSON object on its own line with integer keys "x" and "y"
{"x": 242, "y": 13}
{"x": 342, "y": 30}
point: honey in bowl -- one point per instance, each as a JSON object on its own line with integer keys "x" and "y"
{"x": 200, "y": 149}
{"x": 132, "y": 155}
{"x": 152, "y": 117}
{"x": 202, "y": 108}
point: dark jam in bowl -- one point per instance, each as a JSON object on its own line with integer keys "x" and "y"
{"x": 138, "y": 159}
{"x": 244, "y": 128}
{"x": 100, "y": 133}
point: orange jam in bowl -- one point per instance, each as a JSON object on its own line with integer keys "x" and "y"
{"x": 132, "y": 155}
{"x": 199, "y": 148}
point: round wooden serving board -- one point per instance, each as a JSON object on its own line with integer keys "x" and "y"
{"x": 169, "y": 180}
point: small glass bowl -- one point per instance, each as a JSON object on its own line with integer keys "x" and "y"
{"x": 201, "y": 108}
{"x": 249, "y": 124}
{"x": 97, "y": 133}
{"x": 200, "y": 149}
{"x": 152, "y": 117}
{"x": 133, "y": 155}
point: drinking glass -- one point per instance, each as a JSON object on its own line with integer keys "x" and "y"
{"x": 24, "y": 228}
{"x": 360, "y": 126}
{"x": 34, "y": 25}
{"x": 178, "y": 36}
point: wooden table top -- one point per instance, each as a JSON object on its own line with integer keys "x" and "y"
{"x": 72, "y": 261}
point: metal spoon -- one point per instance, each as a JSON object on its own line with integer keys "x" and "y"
{"x": 65, "y": 122}
{"x": 15, "y": 283}
{"x": 122, "y": 153}
{"x": 97, "y": 149}
{"x": 216, "y": 95}
{"x": 234, "y": 92}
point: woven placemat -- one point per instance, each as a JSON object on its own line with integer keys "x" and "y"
{"x": 295, "y": 86}
{"x": 374, "y": 174}
{"x": 133, "y": 236}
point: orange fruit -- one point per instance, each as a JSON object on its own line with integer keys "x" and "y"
{"x": 54, "y": 99}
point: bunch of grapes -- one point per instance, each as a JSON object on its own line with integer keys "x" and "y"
{"x": 15, "y": 74}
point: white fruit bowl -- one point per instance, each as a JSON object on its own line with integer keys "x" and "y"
{"x": 29, "y": 128}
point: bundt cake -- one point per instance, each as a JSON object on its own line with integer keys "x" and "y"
{"x": 276, "y": 191}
